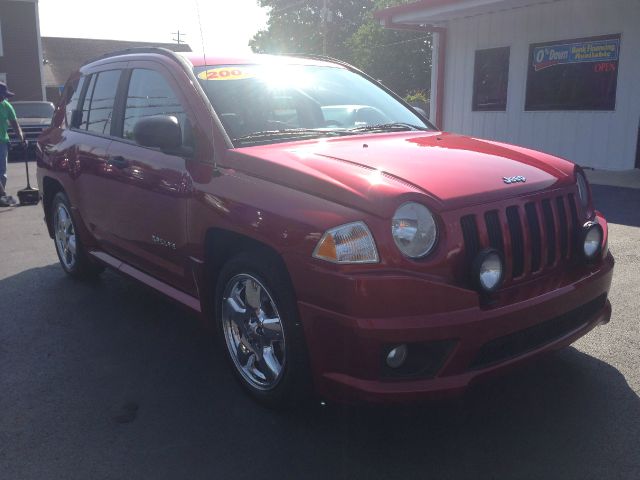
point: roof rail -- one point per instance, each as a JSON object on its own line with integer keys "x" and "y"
{"x": 133, "y": 50}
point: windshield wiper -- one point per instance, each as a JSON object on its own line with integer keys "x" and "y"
{"x": 387, "y": 127}
{"x": 266, "y": 135}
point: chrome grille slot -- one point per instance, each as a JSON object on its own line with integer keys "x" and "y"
{"x": 573, "y": 231}
{"x": 536, "y": 236}
{"x": 517, "y": 241}
{"x": 550, "y": 231}
{"x": 471, "y": 237}
{"x": 494, "y": 230}
{"x": 564, "y": 228}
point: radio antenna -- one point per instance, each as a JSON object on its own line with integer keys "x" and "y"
{"x": 204, "y": 55}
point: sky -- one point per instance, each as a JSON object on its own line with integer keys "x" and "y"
{"x": 227, "y": 25}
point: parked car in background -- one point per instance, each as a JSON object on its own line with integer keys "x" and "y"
{"x": 337, "y": 241}
{"x": 33, "y": 117}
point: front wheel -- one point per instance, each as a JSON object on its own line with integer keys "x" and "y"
{"x": 71, "y": 253}
{"x": 259, "y": 330}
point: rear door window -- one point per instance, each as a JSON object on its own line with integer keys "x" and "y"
{"x": 99, "y": 101}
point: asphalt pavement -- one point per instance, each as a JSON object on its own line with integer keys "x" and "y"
{"x": 111, "y": 381}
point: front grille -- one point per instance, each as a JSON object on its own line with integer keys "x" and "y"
{"x": 517, "y": 241}
{"x": 564, "y": 233}
{"x": 494, "y": 231}
{"x": 536, "y": 238}
{"x": 30, "y": 132}
{"x": 550, "y": 229}
{"x": 532, "y": 338}
{"x": 471, "y": 238}
{"x": 533, "y": 237}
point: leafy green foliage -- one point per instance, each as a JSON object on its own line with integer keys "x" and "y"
{"x": 296, "y": 26}
{"x": 399, "y": 59}
{"x": 416, "y": 96}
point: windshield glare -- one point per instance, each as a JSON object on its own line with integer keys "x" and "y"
{"x": 250, "y": 99}
{"x": 33, "y": 110}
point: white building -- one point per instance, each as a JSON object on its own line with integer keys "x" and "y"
{"x": 561, "y": 76}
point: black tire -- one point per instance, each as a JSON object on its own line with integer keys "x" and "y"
{"x": 294, "y": 384}
{"x": 82, "y": 267}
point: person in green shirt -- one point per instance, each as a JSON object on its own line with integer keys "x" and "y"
{"x": 7, "y": 117}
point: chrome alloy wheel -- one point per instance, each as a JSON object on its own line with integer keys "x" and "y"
{"x": 65, "y": 236}
{"x": 253, "y": 331}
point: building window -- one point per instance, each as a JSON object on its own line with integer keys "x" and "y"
{"x": 491, "y": 80}
{"x": 578, "y": 74}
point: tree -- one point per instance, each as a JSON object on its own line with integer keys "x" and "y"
{"x": 400, "y": 59}
{"x": 296, "y": 26}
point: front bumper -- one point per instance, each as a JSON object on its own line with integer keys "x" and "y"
{"x": 347, "y": 348}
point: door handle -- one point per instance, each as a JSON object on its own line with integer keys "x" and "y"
{"x": 118, "y": 161}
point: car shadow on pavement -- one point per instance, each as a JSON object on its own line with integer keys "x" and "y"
{"x": 109, "y": 380}
{"x": 619, "y": 204}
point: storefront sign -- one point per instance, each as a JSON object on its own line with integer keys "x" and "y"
{"x": 576, "y": 74}
{"x": 586, "y": 51}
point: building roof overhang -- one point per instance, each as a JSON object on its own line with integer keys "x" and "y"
{"x": 437, "y": 13}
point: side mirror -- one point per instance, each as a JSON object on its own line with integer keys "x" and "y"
{"x": 158, "y": 131}
{"x": 421, "y": 112}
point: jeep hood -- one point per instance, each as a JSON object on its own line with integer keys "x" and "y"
{"x": 452, "y": 170}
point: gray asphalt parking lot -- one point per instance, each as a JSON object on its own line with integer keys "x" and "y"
{"x": 108, "y": 380}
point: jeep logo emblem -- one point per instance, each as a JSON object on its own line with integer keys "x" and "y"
{"x": 517, "y": 179}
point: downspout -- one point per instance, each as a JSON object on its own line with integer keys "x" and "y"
{"x": 442, "y": 59}
{"x": 441, "y": 54}
{"x": 43, "y": 91}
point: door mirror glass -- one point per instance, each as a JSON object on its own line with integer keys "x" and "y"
{"x": 158, "y": 131}
{"x": 421, "y": 111}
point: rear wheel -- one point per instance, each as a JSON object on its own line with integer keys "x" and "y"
{"x": 71, "y": 253}
{"x": 259, "y": 330}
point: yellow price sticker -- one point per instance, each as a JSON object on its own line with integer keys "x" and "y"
{"x": 225, "y": 73}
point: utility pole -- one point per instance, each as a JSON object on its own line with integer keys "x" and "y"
{"x": 178, "y": 40}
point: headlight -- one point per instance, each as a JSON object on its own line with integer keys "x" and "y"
{"x": 583, "y": 189}
{"x": 350, "y": 243}
{"x": 414, "y": 230}
{"x": 592, "y": 236}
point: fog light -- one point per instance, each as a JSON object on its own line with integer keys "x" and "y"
{"x": 397, "y": 356}
{"x": 488, "y": 270}
{"x": 591, "y": 240}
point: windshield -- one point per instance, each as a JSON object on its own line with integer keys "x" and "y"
{"x": 33, "y": 110}
{"x": 266, "y": 104}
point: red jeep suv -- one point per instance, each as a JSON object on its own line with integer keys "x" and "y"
{"x": 337, "y": 240}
